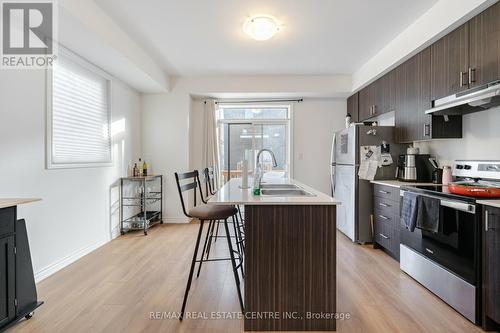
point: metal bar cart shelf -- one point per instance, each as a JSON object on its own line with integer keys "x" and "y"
{"x": 146, "y": 201}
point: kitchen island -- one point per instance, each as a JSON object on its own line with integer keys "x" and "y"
{"x": 290, "y": 255}
{"x": 17, "y": 283}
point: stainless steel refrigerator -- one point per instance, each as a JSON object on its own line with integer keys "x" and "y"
{"x": 356, "y": 195}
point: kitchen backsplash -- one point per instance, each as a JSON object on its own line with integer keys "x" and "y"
{"x": 481, "y": 140}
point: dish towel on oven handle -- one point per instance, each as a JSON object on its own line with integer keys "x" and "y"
{"x": 428, "y": 214}
{"x": 409, "y": 210}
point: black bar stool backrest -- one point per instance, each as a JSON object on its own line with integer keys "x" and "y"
{"x": 210, "y": 179}
{"x": 188, "y": 181}
{"x": 205, "y": 182}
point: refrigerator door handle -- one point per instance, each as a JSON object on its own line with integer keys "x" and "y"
{"x": 332, "y": 179}
{"x": 332, "y": 154}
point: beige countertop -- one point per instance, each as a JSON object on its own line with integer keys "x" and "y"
{"x": 490, "y": 202}
{"x": 232, "y": 194}
{"x": 9, "y": 202}
{"x": 398, "y": 184}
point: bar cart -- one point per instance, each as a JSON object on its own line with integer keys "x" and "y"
{"x": 140, "y": 203}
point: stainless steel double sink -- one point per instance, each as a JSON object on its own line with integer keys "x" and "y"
{"x": 284, "y": 190}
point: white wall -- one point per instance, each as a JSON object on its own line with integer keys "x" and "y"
{"x": 481, "y": 139}
{"x": 173, "y": 126}
{"x": 73, "y": 217}
{"x": 166, "y": 143}
{"x": 314, "y": 121}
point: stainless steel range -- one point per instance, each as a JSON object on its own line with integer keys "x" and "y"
{"x": 448, "y": 262}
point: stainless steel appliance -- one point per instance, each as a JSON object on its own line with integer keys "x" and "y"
{"x": 448, "y": 262}
{"x": 356, "y": 195}
{"x": 415, "y": 167}
{"x": 472, "y": 100}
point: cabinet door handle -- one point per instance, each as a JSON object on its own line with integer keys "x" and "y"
{"x": 429, "y": 250}
{"x": 427, "y": 129}
{"x": 374, "y": 109}
{"x": 383, "y": 192}
{"x": 384, "y": 217}
{"x": 472, "y": 75}
{"x": 383, "y": 236}
{"x": 486, "y": 220}
{"x": 384, "y": 205}
{"x": 462, "y": 81}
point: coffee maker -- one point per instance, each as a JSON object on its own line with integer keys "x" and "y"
{"x": 414, "y": 167}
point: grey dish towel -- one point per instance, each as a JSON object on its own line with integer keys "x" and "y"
{"x": 409, "y": 210}
{"x": 428, "y": 214}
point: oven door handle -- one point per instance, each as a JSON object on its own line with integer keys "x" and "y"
{"x": 458, "y": 205}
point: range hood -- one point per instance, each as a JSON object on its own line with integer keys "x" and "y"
{"x": 472, "y": 100}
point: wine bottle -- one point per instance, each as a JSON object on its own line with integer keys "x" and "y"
{"x": 144, "y": 169}
{"x": 135, "y": 170}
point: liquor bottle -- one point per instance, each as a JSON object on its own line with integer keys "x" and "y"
{"x": 140, "y": 167}
{"x": 144, "y": 169}
{"x": 135, "y": 171}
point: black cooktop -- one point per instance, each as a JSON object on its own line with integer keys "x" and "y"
{"x": 437, "y": 190}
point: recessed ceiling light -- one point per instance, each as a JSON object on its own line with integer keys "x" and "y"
{"x": 261, "y": 27}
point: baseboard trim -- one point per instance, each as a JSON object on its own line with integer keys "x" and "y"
{"x": 67, "y": 260}
{"x": 176, "y": 220}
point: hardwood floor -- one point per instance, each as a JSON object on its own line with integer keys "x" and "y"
{"x": 115, "y": 288}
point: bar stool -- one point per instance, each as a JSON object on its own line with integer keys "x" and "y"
{"x": 210, "y": 189}
{"x": 190, "y": 181}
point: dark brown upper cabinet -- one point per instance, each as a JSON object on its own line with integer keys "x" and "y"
{"x": 468, "y": 56}
{"x": 366, "y": 102}
{"x": 413, "y": 78}
{"x": 450, "y": 63}
{"x": 484, "y": 51}
{"x": 413, "y": 96}
{"x": 377, "y": 98}
{"x": 352, "y": 107}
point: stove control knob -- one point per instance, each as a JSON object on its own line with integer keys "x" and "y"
{"x": 459, "y": 166}
{"x": 467, "y": 167}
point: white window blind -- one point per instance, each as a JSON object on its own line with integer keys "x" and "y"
{"x": 79, "y": 115}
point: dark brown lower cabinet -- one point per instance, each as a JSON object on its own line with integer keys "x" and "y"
{"x": 7, "y": 279}
{"x": 386, "y": 219}
{"x": 18, "y": 296}
{"x": 492, "y": 265}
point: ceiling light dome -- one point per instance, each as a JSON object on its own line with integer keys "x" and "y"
{"x": 261, "y": 27}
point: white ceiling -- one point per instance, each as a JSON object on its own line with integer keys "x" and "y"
{"x": 320, "y": 37}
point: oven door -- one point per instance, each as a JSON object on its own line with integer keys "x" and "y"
{"x": 454, "y": 245}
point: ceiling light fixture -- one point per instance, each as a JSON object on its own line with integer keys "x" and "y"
{"x": 261, "y": 27}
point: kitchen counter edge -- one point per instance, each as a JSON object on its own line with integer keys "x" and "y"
{"x": 11, "y": 202}
{"x": 231, "y": 194}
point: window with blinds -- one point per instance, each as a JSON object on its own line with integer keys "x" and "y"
{"x": 79, "y": 114}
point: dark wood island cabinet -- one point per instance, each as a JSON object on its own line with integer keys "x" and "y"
{"x": 18, "y": 297}
{"x": 290, "y": 258}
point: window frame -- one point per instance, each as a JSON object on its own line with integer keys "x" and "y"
{"x": 288, "y": 122}
{"x": 72, "y": 57}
